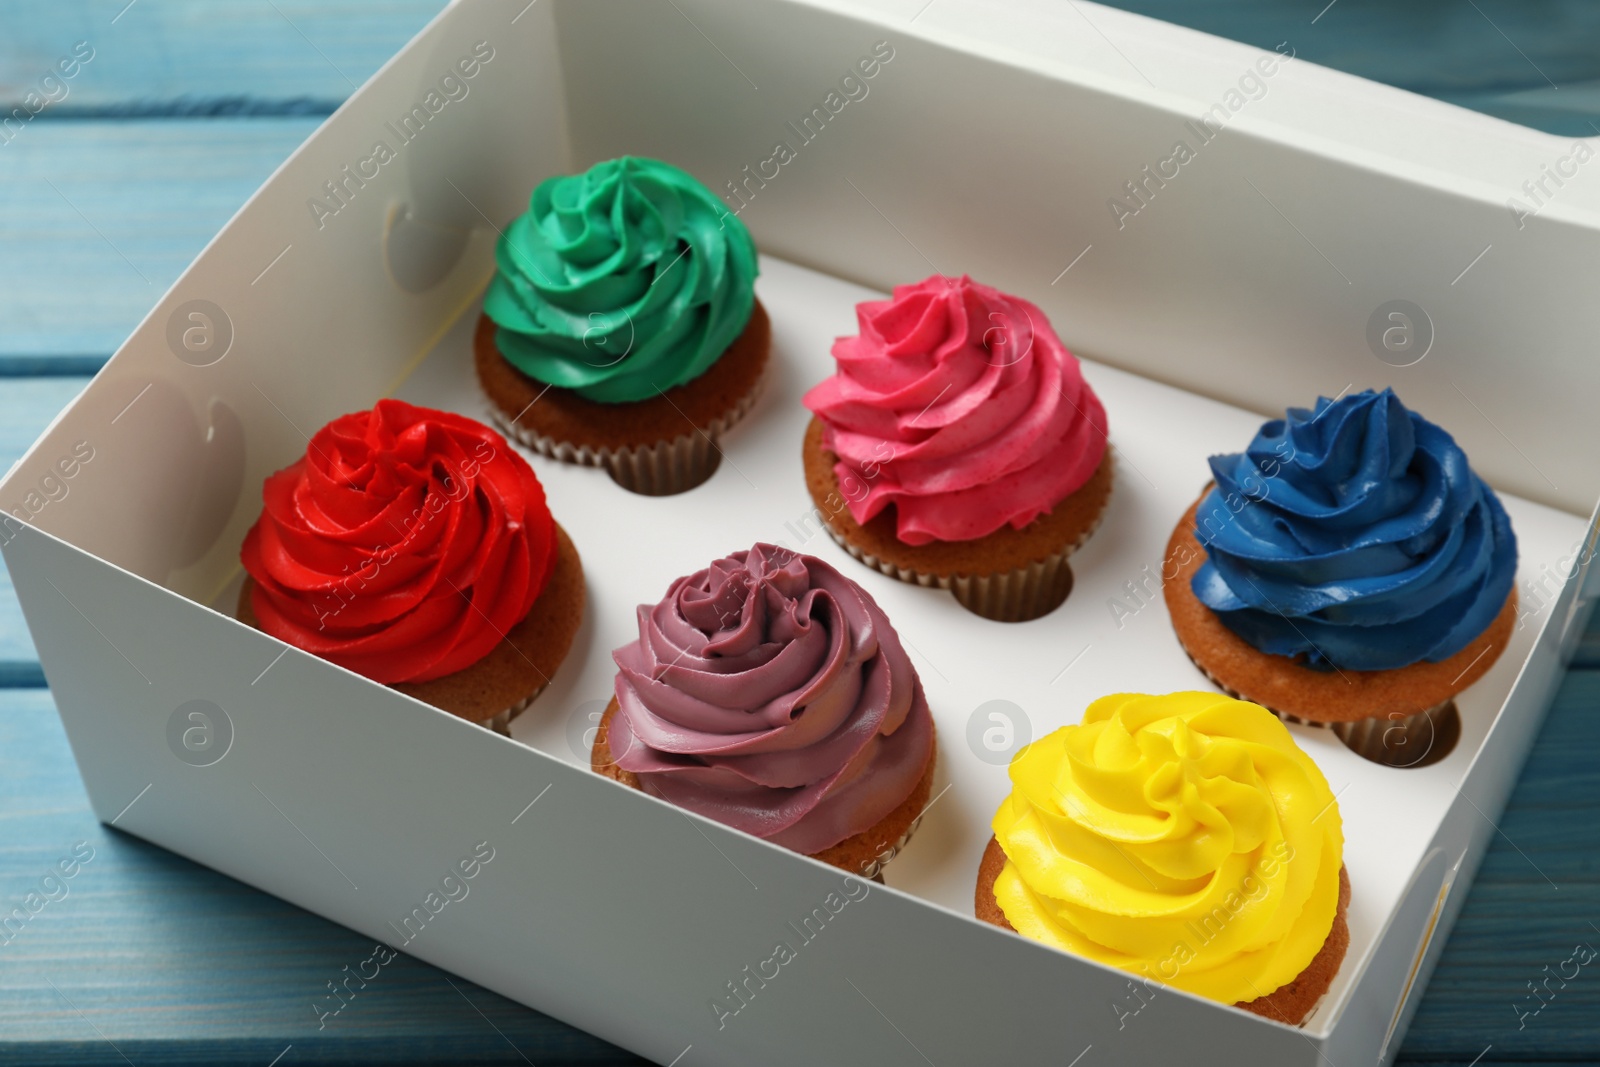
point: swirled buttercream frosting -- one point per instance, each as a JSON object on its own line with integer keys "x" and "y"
{"x": 958, "y": 405}
{"x": 770, "y": 693}
{"x": 621, "y": 282}
{"x": 1185, "y": 838}
{"x": 1354, "y": 536}
{"x": 402, "y": 546}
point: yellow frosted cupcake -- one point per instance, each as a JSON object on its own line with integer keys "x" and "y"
{"x": 1184, "y": 838}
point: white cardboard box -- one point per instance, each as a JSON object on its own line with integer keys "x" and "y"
{"x": 993, "y": 142}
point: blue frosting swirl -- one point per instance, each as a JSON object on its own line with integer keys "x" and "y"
{"x": 1354, "y": 536}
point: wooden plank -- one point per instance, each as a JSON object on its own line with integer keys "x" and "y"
{"x": 303, "y": 57}
{"x": 159, "y": 956}
{"x": 1431, "y": 47}
{"x": 168, "y": 959}
{"x": 1536, "y": 897}
{"x": 1503, "y": 57}
{"x": 26, "y": 407}
{"x": 201, "y": 57}
{"x": 97, "y": 219}
{"x": 176, "y": 963}
{"x": 1587, "y": 655}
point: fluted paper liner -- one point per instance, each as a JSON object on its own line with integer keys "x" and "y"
{"x": 500, "y": 723}
{"x": 1006, "y": 596}
{"x": 660, "y": 469}
{"x": 1416, "y": 740}
{"x": 1403, "y": 741}
{"x": 874, "y": 870}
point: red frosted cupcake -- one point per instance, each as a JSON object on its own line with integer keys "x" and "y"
{"x": 414, "y": 547}
{"x": 959, "y": 446}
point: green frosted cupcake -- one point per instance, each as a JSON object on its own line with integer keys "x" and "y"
{"x": 621, "y": 329}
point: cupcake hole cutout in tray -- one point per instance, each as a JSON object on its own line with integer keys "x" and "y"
{"x": 1405, "y": 742}
{"x": 1392, "y": 740}
{"x": 992, "y": 687}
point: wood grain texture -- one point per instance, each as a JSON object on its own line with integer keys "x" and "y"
{"x": 26, "y": 407}
{"x": 1587, "y": 655}
{"x": 168, "y": 959}
{"x": 205, "y": 57}
{"x": 1536, "y": 897}
{"x": 98, "y": 214}
{"x": 97, "y": 219}
{"x": 1530, "y": 63}
{"x": 151, "y": 953}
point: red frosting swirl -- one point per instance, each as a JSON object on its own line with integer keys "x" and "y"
{"x": 959, "y": 405}
{"x": 403, "y": 546}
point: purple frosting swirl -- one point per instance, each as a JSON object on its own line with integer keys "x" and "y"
{"x": 770, "y": 693}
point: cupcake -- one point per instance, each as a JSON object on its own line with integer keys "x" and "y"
{"x": 1183, "y": 838}
{"x": 414, "y": 547}
{"x": 622, "y": 329}
{"x": 958, "y": 446}
{"x": 1347, "y": 569}
{"x": 770, "y": 693}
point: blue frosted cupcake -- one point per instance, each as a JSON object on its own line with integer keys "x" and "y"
{"x": 1348, "y": 568}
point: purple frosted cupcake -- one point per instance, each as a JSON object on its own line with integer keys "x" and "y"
{"x": 770, "y": 693}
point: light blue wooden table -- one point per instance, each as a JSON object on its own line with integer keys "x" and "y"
{"x": 106, "y": 195}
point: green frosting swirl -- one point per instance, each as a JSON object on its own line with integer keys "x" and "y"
{"x": 621, "y": 282}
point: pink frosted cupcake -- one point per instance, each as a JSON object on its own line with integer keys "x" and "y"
{"x": 770, "y": 693}
{"x": 959, "y": 446}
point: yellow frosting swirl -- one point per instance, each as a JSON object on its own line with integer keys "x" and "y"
{"x": 1185, "y": 838}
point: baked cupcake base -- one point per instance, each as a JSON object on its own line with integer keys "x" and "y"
{"x": 864, "y": 854}
{"x": 1292, "y": 1003}
{"x": 498, "y": 687}
{"x": 1408, "y": 703}
{"x": 656, "y": 447}
{"x": 1010, "y": 575}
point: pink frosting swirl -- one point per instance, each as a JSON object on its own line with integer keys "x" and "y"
{"x": 959, "y": 405}
{"x": 770, "y": 693}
